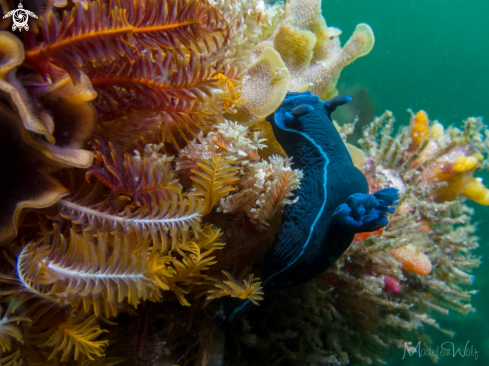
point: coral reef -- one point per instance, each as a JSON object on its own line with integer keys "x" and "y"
{"x": 144, "y": 188}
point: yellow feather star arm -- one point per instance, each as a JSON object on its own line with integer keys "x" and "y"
{"x": 73, "y": 337}
{"x": 212, "y": 179}
{"x": 101, "y": 273}
{"x": 189, "y": 270}
{"x": 208, "y": 238}
{"x": 250, "y": 289}
{"x": 12, "y": 360}
{"x": 9, "y": 330}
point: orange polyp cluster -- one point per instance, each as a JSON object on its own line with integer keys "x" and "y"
{"x": 420, "y": 129}
{"x": 412, "y": 259}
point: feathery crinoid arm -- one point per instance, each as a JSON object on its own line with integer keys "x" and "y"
{"x": 175, "y": 124}
{"x": 246, "y": 288}
{"x": 147, "y": 179}
{"x": 96, "y": 35}
{"x": 154, "y": 81}
{"x": 124, "y": 28}
{"x": 95, "y": 277}
{"x": 98, "y": 273}
{"x": 213, "y": 179}
{"x": 145, "y": 199}
{"x": 172, "y": 218}
{"x": 101, "y": 273}
{"x": 10, "y": 330}
{"x": 177, "y": 96}
{"x": 73, "y": 337}
{"x": 200, "y": 25}
{"x": 195, "y": 259}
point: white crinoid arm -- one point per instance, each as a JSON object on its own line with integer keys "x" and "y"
{"x": 31, "y": 14}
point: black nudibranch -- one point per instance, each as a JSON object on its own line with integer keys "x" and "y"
{"x": 334, "y": 203}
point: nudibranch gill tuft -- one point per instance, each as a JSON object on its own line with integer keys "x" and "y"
{"x": 334, "y": 203}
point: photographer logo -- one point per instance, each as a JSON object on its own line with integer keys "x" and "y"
{"x": 20, "y": 17}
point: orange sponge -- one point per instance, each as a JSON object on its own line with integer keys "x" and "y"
{"x": 412, "y": 259}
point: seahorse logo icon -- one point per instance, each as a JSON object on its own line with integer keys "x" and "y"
{"x": 20, "y": 17}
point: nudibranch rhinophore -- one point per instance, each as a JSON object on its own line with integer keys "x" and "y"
{"x": 334, "y": 203}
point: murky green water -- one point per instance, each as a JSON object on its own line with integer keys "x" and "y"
{"x": 431, "y": 55}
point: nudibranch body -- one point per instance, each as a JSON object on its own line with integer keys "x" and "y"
{"x": 334, "y": 203}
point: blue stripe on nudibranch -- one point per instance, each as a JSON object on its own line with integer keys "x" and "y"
{"x": 313, "y": 236}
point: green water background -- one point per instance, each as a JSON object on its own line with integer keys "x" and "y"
{"x": 431, "y": 55}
